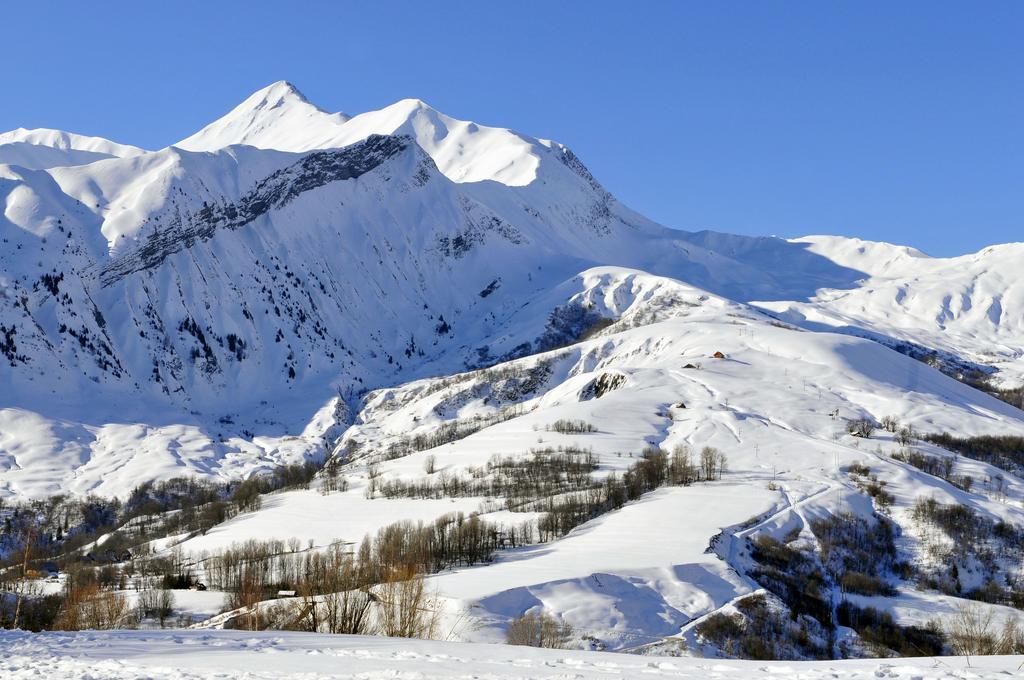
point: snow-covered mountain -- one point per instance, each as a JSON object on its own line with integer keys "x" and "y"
{"x": 284, "y": 259}
{"x": 407, "y": 295}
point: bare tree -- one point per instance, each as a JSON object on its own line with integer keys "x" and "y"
{"x": 345, "y": 605}
{"x": 891, "y": 424}
{"x": 372, "y": 475}
{"x": 250, "y": 593}
{"x": 712, "y": 463}
{"x": 682, "y": 469}
{"x": 28, "y": 538}
{"x": 906, "y": 436}
{"x": 157, "y": 603}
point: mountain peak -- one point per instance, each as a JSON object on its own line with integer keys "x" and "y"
{"x": 280, "y": 117}
{"x": 275, "y": 94}
{"x": 271, "y": 118}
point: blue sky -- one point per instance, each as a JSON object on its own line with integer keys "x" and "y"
{"x": 890, "y": 121}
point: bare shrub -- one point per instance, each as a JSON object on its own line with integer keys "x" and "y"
{"x": 972, "y": 631}
{"x": 86, "y": 607}
{"x": 858, "y": 469}
{"x": 156, "y": 603}
{"x": 539, "y": 630}
{"x": 405, "y": 608}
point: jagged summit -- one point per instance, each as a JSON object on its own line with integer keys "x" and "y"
{"x": 280, "y": 117}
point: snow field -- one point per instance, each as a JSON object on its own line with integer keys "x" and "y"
{"x": 188, "y": 655}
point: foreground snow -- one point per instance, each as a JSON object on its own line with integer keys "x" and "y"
{"x": 220, "y": 654}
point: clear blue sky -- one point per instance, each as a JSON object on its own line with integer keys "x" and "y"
{"x": 899, "y": 121}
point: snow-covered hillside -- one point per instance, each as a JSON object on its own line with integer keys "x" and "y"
{"x": 966, "y": 306}
{"x": 651, "y": 570}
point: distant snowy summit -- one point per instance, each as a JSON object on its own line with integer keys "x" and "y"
{"x": 42, "y": 148}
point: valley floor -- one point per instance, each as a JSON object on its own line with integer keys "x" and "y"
{"x": 236, "y": 654}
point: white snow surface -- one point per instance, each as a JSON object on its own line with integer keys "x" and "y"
{"x": 174, "y": 655}
{"x": 44, "y": 148}
{"x": 963, "y": 305}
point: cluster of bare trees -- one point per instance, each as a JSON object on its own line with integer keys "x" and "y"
{"x": 378, "y": 588}
{"x": 543, "y": 473}
{"x": 560, "y": 483}
{"x": 525, "y": 481}
{"x": 271, "y": 563}
{"x": 332, "y": 478}
{"x": 570, "y": 426}
{"x": 539, "y": 630}
{"x": 939, "y": 466}
{"x": 858, "y": 554}
{"x": 905, "y": 434}
{"x": 654, "y": 468}
{"x": 861, "y": 427}
{"x": 448, "y": 432}
{"x": 955, "y": 535}
{"x": 155, "y": 603}
{"x": 1005, "y": 452}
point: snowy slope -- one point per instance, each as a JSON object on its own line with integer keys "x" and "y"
{"x": 191, "y": 654}
{"x": 650, "y": 570}
{"x": 962, "y": 305}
